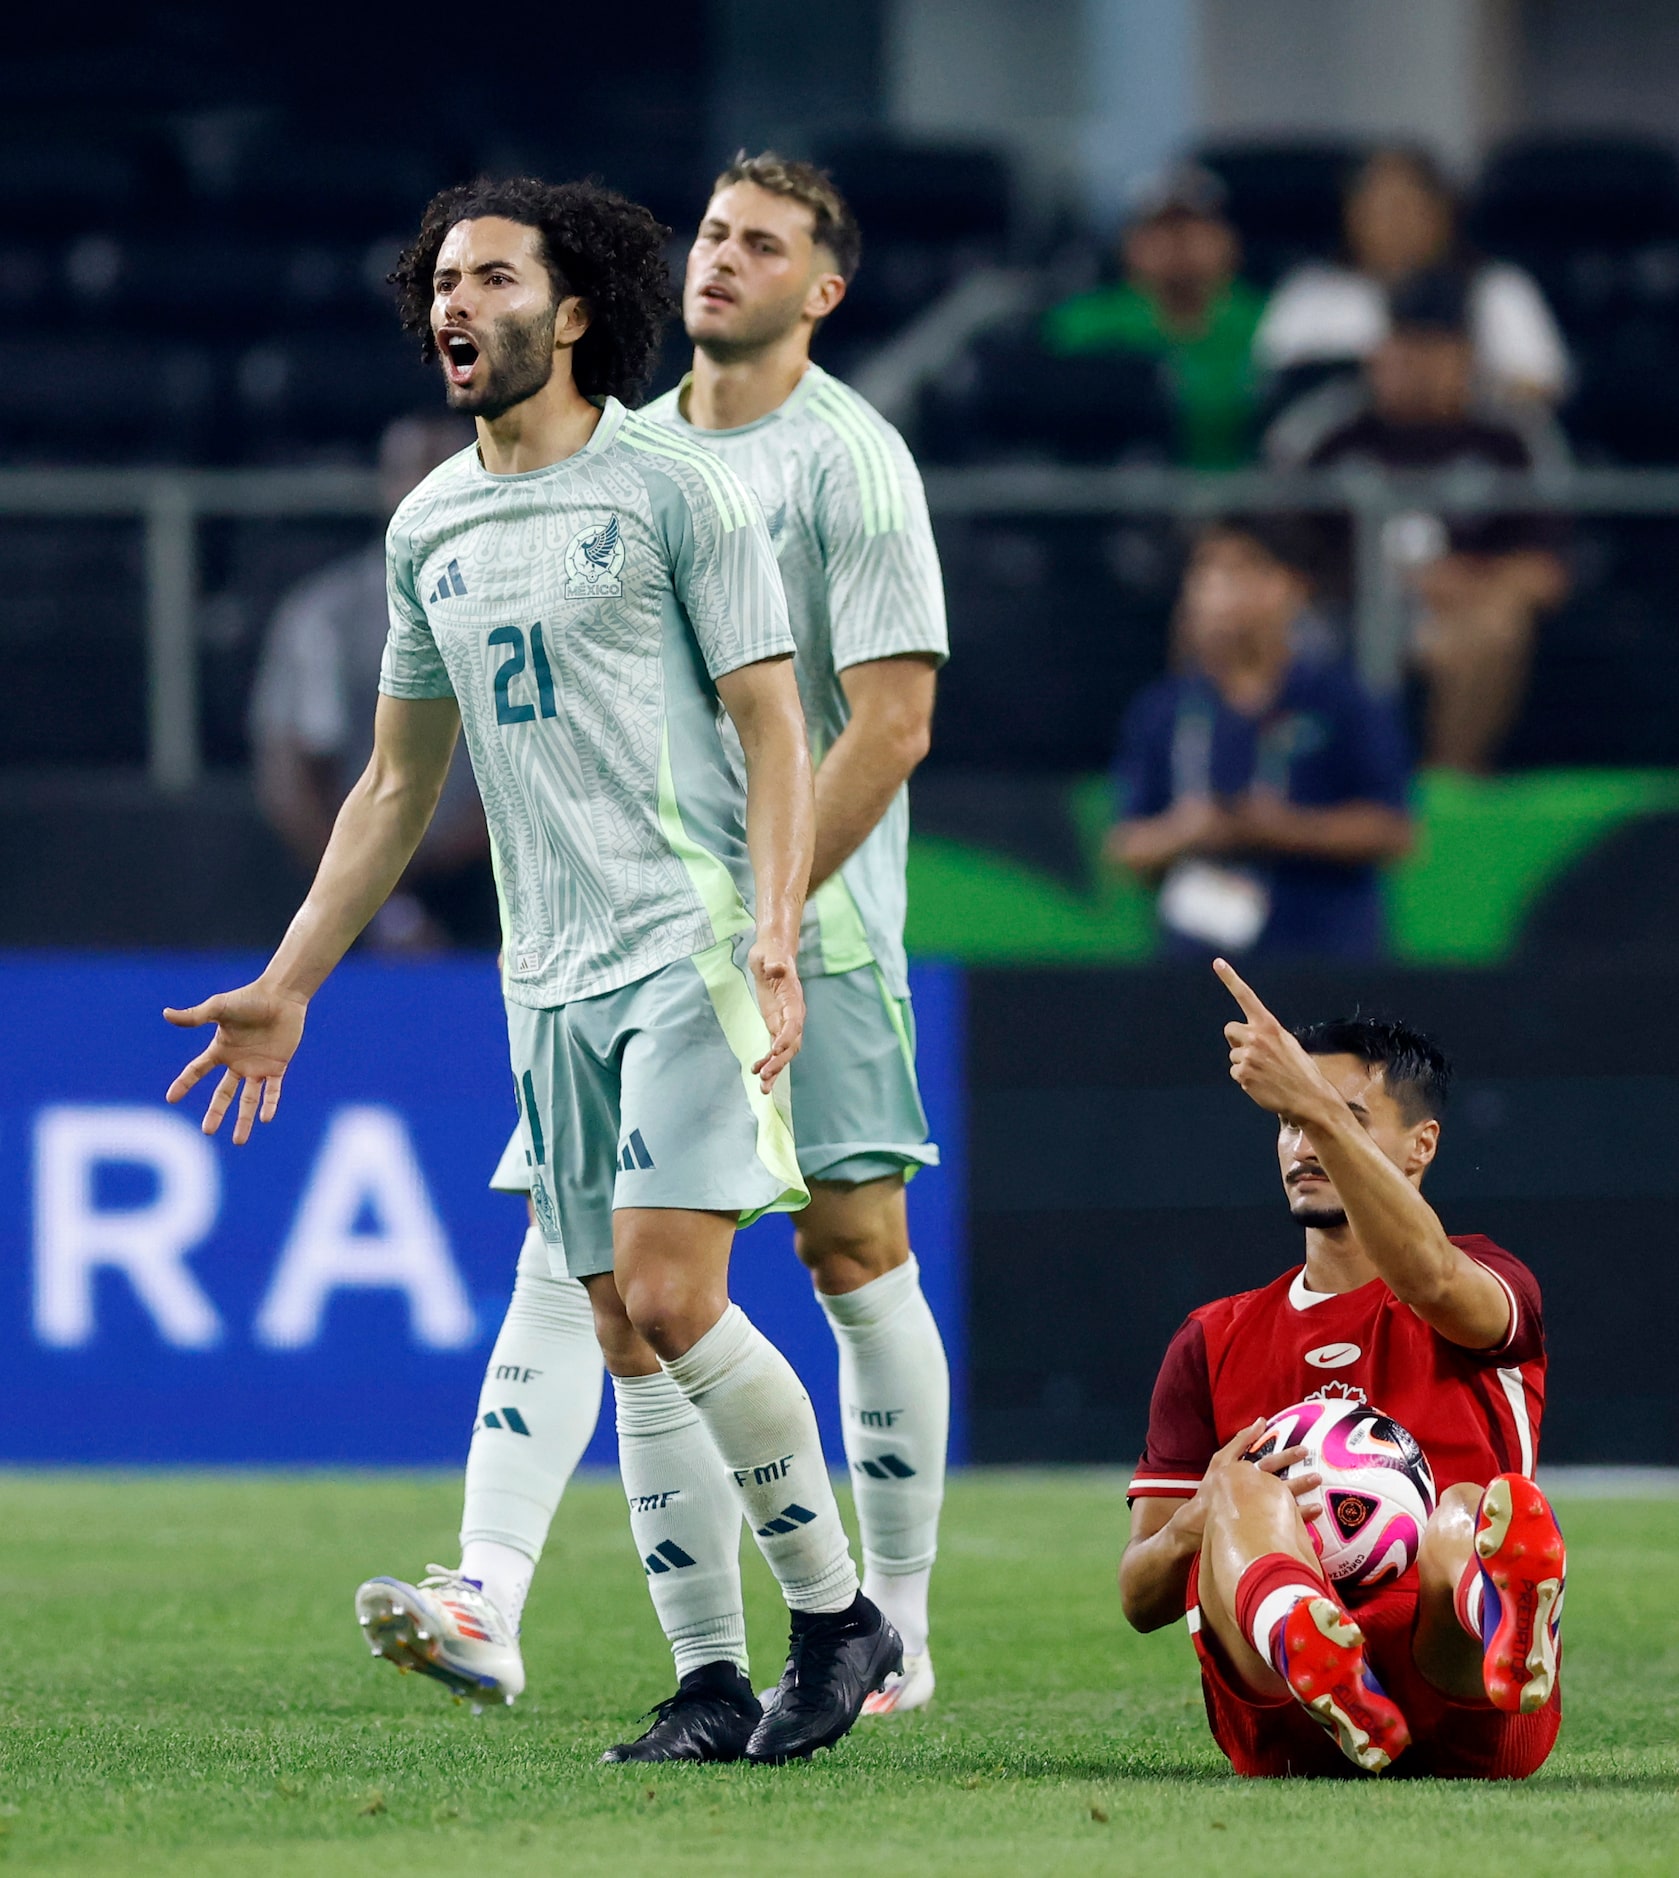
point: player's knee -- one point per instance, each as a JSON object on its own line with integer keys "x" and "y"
{"x": 619, "y": 1341}
{"x": 842, "y": 1258}
{"x": 1231, "y": 1492}
{"x": 668, "y": 1312}
{"x": 1453, "y": 1517}
{"x": 849, "y": 1235}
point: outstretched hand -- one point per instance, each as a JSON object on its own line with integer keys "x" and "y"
{"x": 781, "y": 998}
{"x": 257, "y": 1034}
{"x": 1266, "y": 1059}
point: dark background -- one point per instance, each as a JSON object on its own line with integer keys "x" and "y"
{"x": 1119, "y": 1179}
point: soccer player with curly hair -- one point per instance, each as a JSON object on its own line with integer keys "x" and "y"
{"x": 590, "y": 599}
{"x": 776, "y": 247}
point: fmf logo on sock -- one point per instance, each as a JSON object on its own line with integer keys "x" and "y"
{"x": 875, "y": 1418}
{"x": 511, "y": 1372}
{"x": 765, "y": 1476}
{"x": 654, "y": 1502}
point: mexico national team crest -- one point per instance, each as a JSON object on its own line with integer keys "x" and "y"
{"x": 594, "y": 562}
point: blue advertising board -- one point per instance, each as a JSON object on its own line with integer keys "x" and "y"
{"x": 327, "y": 1294}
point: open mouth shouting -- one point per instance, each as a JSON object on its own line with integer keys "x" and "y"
{"x": 459, "y": 353}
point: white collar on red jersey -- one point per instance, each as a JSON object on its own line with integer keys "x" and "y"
{"x": 1303, "y": 1298}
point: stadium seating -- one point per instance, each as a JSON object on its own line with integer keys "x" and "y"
{"x": 1006, "y": 397}
{"x": 1285, "y": 199}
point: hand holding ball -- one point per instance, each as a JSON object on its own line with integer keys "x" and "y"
{"x": 1378, "y": 1489}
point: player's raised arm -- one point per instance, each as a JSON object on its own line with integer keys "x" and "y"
{"x": 259, "y": 1026}
{"x": 762, "y": 699}
{"x": 1395, "y": 1227}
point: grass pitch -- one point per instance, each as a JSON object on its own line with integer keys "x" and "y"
{"x": 184, "y": 1690}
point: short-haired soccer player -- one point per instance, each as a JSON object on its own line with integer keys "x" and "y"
{"x": 1453, "y": 1669}
{"x": 589, "y": 599}
{"x": 775, "y": 249}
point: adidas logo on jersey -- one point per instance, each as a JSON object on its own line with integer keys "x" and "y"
{"x": 450, "y": 586}
{"x": 633, "y": 1156}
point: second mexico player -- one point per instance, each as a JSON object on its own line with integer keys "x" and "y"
{"x": 845, "y": 511}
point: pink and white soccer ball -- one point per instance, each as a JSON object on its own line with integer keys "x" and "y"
{"x": 1378, "y": 1489}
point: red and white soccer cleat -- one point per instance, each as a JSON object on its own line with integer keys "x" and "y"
{"x": 1323, "y": 1664}
{"x": 905, "y": 1690}
{"x": 1524, "y": 1566}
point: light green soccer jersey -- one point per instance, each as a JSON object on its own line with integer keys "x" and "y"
{"x": 578, "y": 615}
{"x": 846, "y": 512}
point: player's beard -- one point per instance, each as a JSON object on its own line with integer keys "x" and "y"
{"x": 755, "y": 333}
{"x": 1323, "y": 1218}
{"x": 518, "y": 360}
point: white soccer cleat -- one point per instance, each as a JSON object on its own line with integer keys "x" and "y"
{"x": 446, "y": 1628}
{"x": 907, "y": 1689}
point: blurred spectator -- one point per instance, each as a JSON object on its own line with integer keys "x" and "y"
{"x": 1479, "y": 582}
{"x": 311, "y": 723}
{"x": 1181, "y": 301}
{"x": 1401, "y": 219}
{"x": 1261, "y": 786}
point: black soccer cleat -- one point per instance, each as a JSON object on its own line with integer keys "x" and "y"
{"x": 835, "y": 1661}
{"x": 710, "y": 1718}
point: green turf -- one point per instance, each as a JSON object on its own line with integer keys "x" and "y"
{"x": 185, "y": 1691}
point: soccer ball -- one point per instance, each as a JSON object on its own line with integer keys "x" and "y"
{"x": 1378, "y": 1489}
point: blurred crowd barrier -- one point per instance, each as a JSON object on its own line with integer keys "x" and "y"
{"x": 181, "y": 568}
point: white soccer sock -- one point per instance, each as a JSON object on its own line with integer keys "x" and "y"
{"x": 895, "y": 1406}
{"x": 504, "y": 1573}
{"x": 764, "y": 1428}
{"x": 536, "y": 1411}
{"x": 1274, "y": 1611}
{"x": 685, "y": 1520}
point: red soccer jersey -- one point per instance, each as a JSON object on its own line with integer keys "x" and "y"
{"x": 1476, "y": 1412}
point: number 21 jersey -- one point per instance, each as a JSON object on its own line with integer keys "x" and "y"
{"x": 579, "y": 615}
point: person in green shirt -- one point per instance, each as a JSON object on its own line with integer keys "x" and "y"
{"x": 1183, "y": 301}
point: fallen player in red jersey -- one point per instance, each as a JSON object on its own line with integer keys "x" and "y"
{"x": 1452, "y": 1670}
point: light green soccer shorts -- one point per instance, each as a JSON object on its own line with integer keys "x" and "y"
{"x": 645, "y": 1096}
{"x": 857, "y": 1111}
{"x": 857, "y": 1108}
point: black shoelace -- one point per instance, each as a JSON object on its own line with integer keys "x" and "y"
{"x": 813, "y": 1653}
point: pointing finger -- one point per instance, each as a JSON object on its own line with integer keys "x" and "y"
{"x": 1253, "y": 1007}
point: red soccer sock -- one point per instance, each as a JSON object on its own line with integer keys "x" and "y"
{"x": 1265, "y": 1594}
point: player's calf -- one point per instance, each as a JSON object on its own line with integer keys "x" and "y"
{"x": 1511, "y": 1593}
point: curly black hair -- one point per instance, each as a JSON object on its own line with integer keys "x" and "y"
{"x": 597, "y": 244}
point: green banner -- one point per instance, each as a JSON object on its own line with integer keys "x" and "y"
{"x": 1486, "y": 849}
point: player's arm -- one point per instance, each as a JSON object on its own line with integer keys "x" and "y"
{"x": 889, "y": 732}
{"x": 762, "y": 700}
{"x": 887, "y": 629}
{"x": 1399, "y": 1231}
{"x": 259, "y": 1026}
{"x": 1166, "y": 1534}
